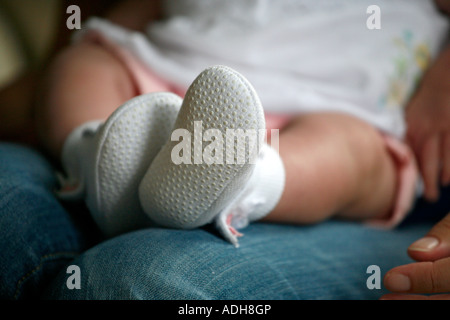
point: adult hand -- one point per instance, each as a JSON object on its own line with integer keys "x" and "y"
{"x": 430, "y": 275}
{"x": 428, "y": 118}
{"x": 443, "y": 5}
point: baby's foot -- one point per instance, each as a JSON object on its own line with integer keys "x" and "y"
{"x": 106, "y": 161}
{"x": 198, "y": 173}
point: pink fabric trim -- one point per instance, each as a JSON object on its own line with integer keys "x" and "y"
{"x": 277, "y": 121}
{"x": 408, "y": 176}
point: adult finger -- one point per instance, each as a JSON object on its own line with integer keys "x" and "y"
{"x": 420, "y": 277}
{"x": 396, "y": 296}
{"x": 445, "y": 151}
{"x": 415, "y": 137}
{"x": 429, "y": 163}
{"x": 435, "y": 245}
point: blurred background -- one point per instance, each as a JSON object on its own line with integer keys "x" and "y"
{"x": 27, "y": 31}
{"x": 31, "y": 31}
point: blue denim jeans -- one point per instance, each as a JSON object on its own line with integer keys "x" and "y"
{"x": 41, "y": 238}
{"x": 38, "y": 235}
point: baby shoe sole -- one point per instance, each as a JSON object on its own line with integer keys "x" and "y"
{"x": 127, "y": 143}
{"x": 189, "y": 195}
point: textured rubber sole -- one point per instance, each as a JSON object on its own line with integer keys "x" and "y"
{"x": 189, "y": 195}
{"x": 126, "y": 145}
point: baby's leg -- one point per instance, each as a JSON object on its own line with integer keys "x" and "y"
{"x": 335, "y": 164}
{"x": 84, "y": 83}
{"x": 105, "y": 128}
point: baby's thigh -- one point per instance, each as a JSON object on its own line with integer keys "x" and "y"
{"x": 347, "y": 150}
{"x": 339, "y": 131}
{"x": 83, "y": 83}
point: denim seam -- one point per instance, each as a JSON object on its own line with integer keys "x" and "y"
{"x": 45, "y": 258}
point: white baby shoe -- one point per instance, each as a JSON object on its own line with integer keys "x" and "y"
{"x": 258, "y": 197}
{"x": 105, "y": 162}
{"x": 201, "y": 175}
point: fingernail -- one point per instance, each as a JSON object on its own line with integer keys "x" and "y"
{"x": 425, "y": 244}
{"x": 397, "y": 282}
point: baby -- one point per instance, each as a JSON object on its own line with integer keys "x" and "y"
{"x": 141, "y": 155}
